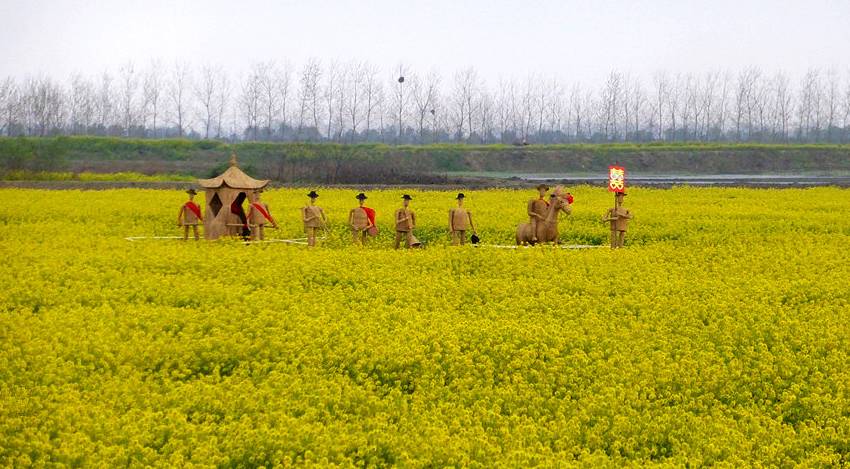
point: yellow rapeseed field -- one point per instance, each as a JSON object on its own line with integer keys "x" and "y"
{"x": 720, "y": 335}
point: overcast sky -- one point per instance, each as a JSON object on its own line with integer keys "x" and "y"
{"x": 572, "y": 40}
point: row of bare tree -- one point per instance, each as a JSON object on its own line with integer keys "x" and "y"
{"x": 357, "y": 102}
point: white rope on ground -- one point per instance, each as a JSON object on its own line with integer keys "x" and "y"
{"x": 276, "y": 240}
{"x": 137, "y": 238}
{"x": 302, "y": 241}
{"x": 562, "y": 246}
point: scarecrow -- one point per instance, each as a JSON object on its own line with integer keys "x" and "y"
{"x": 405, "y": 222}
{"x": 460, "y": 221}
{"x": 619, "y": 218}
{"x": 189, "y": 215}
{"x": 361, "y": 219}
{"x": 314, "y": 218}
{"x": 258, "y": 215}
{"x": 537, "y": 210}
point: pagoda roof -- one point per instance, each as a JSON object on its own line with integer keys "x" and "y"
{"x": 233, "y": 177}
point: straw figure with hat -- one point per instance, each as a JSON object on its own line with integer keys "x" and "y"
{"x": 537, "y": 210}
{"x": 618, "y": 217}
{"x": 259, "y": 215}
{"x": 314, "y": 218}
{"x": 405, "y": 222}
{"x": 189, "y": 215}
{"x": 361, "y": 219}
{"x": 460, "y": 221}
{"x": 547, "y": 226}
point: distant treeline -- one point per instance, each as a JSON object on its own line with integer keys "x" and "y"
{"x": 356, "y": 102}
{"x": 331, "y": 163}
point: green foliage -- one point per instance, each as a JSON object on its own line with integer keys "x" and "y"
{"x": 52, "y": 154}
{"x": 31, "y": 154}
{"x": 719, "y": 336}
{"x": 124, "y": 176}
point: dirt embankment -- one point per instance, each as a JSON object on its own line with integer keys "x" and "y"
{"x": 327, "y": 163}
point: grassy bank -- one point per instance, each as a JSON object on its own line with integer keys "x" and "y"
{"x": 379, "y": 163}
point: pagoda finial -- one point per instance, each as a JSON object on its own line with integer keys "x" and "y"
{"x": 233, "y": 158}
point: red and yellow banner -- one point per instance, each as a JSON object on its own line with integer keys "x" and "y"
{"x": 616, "y": 179}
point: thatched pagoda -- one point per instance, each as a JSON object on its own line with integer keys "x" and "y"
{"x": 221, "y": 191}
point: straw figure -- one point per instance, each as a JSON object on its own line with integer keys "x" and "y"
{"x": 313, "y": 217}
{"x": 537, "y": 210}
{"x": 618, "y": 217}
{"x": 405, "y": 222}
{"x": 189, "y": 215}
{"x": 258, "y": 216}
{"x": 460, "y": 221}
{"x": 361, "y": 219}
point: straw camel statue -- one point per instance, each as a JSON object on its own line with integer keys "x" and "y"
{"x": 547, "y": 229}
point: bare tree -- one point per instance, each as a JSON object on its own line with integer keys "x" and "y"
{"x": 81, "y": 105}
{"x": 129, "y": 82}
{"x": 847, "y": 108}
{"x": 503, "y": 109}
{"x": 355, "y": 96}
{"x": 832, "y": 103}
{"x": 266, "y": 75}
{"x": 706, "y": 105}
{"x": 8, "y": 105}
{"x": 251, "y": 102}
{"x": 374, "y": 95}
{"x": 722, "y": 108}
{"x": 105, "y": 103}
{"x": 577, "y": 110}
{"x": 634, "y": 103}
{"x": 783, "y": 105}
{"x": 541, "y": 104}
{"x": 340, "y": 100}
{"x": 308, "y": 95}
{"x": 284, "y": 92}
{"x": 610, "y": 104}
{"x": 556, "y": 110}
{"x": 473, "y": 98}
{"x": 43, "y": 106}
{"x": 661, "y": 85}
{"x": 486, "y": 115}
{"x": 672, "y": 104}
{"x": 206, "y": 95}
{"x": 329, "y": 93}
{"x": 152, "y": 93}
{"x": 463, "y": 101}
{"x": 400, "y": 97}
{"x": 807, "y": 104}
{"x": 221, "y": 102}
{"x": 688, "y": 104}
{"x": 178, "y": 89}
{"x": 425, "y": 95}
